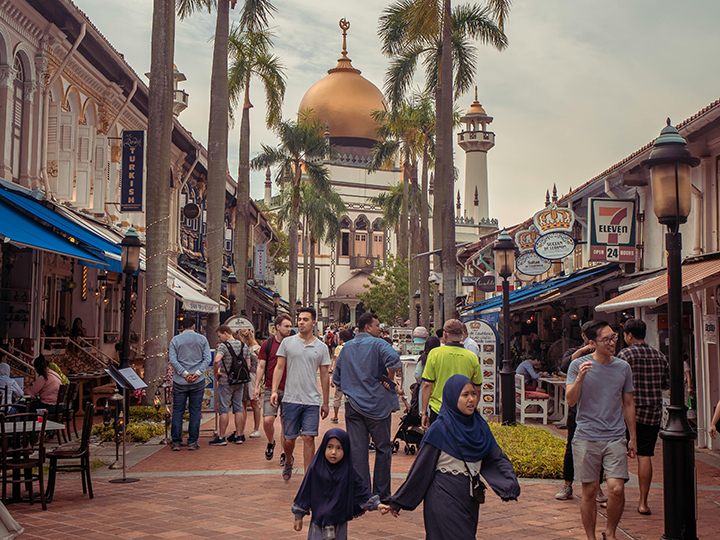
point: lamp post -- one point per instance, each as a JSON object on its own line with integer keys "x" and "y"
{"x": 504, "y": 254}
{"x": 416, "y": 301}
{"x": 276, "y": 301}
{"x": 232, "y": 283}
{"x": 319, "y": 307}
{"x": 669, "y": 163}
{"x": 130, "y": 262}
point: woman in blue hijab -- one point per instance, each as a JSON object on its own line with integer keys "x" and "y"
{"x": 333, "y": 490}
{"x": 456, "y": 447}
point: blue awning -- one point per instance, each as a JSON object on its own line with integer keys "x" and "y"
{"x": 543, "y": 291}
{"x": 21, "y": 229}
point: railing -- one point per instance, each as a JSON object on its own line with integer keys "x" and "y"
{"x": 359, "y": 261}
{"x": 18, "y": 363}
{"x": 87, "y": 345}
{"x": 49, "y": 347}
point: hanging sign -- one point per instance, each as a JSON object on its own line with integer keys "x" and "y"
{"x": 611, "y": 223}
{"x": 132, "y": 172}
{"x": 531, "y": 264}
{"x": 555, "y": 246}
{"x": 554, "y": 218}
{"x": 259, "y": 262}
{"x": 523, "y": 277}
{"x": 485, "y": 336}
{"x": 239, "y": 323}
{"x": 486, "y": 283}
{"x": 525, "y": 239}
{"x": 470, "y": 281}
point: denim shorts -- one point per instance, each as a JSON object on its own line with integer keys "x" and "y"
{"x": 590, "y": 456}
{"x": 230, "y": 395}
{"x": 300, "y": 420}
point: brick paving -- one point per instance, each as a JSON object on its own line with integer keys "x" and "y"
{"x": 233, "y": 492}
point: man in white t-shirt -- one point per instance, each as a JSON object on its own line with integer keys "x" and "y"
{"x": 302, "y": 354}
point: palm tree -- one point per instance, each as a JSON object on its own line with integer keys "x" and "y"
{"x": 391, "y": 204}
{"x": 299, "y": 157}
{"x": 432, "y": 30}
{"x": 160, "y": 123}
{"x": 250, "y": 45}
{"x": 217, "y": 149}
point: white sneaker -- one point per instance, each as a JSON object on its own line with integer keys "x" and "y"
{"x": 601, "y": 497}
{"x": 565, "y": 493}
{"x": 255, "y": 434}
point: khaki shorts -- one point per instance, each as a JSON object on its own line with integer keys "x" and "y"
{"x": 337, "y": 399}
{"x": 268, "y": 409}
{"x": 590, "y": 456}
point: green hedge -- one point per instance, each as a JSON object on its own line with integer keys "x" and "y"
{"x": 139, "y": 413}
{"x": 141, "y": 433}
{"x": 534, "y": 452}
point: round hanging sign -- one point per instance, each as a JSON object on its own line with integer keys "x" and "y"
{"x": 554, "y": 246}
{"x": 531, "y": 264}
{"x": 191, "y": 211}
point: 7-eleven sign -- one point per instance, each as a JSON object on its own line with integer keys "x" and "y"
{"x": 612, "y": 229}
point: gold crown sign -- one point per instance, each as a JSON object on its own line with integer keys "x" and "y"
{"x": 554, "y": 219}
{"x": 525, "y": 239}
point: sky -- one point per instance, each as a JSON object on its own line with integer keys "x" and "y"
{"x": 582, "y": 84}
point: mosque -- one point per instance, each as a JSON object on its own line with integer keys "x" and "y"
{"x": 344, "y": 101}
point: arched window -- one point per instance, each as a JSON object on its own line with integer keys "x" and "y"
{"x": 18, "y": 110}
{"x": 344, "y": 237}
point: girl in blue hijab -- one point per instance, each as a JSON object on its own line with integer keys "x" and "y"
{"x": 456, "y": 447}
{"x": 333, "y": 491}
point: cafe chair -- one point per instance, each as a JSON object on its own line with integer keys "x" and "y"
{"x": 73, "y": 452}
{"x": 57, "y": 416}
{"x": 526, "y": 399}
{"x": 68, "y": 413}
{"x": 23, "y": 449}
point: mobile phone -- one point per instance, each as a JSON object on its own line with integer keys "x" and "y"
{"x": 392, "y": 383}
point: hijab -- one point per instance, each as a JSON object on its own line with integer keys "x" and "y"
{"x": 5, "y": 379}
{"x": 466, "y": 437}
{"x": 333, "y": 492}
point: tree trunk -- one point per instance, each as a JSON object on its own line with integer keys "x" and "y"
{"x": 293, "y": 239}
{"x": 217, "y": 164}
{"x": 311, "y": 275}
{"x": 446, "y": 180}
{"x": 305, "y": 261}
{"x": 242, "y": 211}
{"x": 438, "y": 221}
{"x": 414, "y": 277}
{"x": 424, "y": 262}
{"x": 160, "y": 123}
{"x": 403, "y": 238}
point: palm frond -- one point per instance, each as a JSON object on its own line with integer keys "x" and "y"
{"x": 185, "y": 8}
{"x": 256, "y": 14}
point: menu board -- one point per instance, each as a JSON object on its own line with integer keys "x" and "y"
{"x": 485, "y": 336}
{"x": 401, "y": 338}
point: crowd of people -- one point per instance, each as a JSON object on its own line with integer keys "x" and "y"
{"x": 615, "y": 413}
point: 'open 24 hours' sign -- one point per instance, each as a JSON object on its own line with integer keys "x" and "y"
{"x": 612, "y": 229}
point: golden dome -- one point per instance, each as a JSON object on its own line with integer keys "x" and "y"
{"x": 476, "y": 108}
{"x": 345, "y": 100}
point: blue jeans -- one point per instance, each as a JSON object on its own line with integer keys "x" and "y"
{"x": 360, "y": 428}
{"x": 193, "y": 395}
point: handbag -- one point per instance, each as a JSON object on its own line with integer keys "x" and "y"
{"x": 477, "y": 486}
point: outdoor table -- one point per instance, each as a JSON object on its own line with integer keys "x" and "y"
{"x": 93, "y": 378}
{"x": 560, "y": 412}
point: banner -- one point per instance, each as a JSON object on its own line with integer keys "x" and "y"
{"x": 612, "y": 229}
{"x": 260, "y": 262}
{"x": 132, "y": 173}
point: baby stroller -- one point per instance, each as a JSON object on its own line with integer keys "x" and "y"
{"x": 409, "y": 429}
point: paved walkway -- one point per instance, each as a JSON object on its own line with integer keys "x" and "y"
{"x": 233, "y": 492}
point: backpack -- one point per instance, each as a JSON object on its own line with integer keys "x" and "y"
{"x": 330, "y": 339}
{"x": 239, "y": 373}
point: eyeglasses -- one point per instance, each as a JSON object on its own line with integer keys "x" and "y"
{"x": 609, "y": 340}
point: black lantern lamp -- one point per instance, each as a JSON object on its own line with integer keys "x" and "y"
{"x": 416, "y": 303}
{"x": 276, "y": 301}
{"x": 504, "y": 252}
{"x": 232, "y": 283}
{"x": 670, "y": 162}
{"x": 130, "y": 258}
{"x": 319, "y": 307}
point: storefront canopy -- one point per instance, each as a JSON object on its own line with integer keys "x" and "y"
{"x": 548, "y": 290}
{"x": 26, "y": 231}
{"x": 696, "y": 274}
{"x": 189, "y": 292}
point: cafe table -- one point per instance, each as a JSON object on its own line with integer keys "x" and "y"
{"x": 560, "y": 413}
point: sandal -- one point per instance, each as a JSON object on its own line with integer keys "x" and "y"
{"x": 334, "y": 420}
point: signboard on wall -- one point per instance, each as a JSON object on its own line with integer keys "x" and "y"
{"x": 132, "y": 172}
{"x": 611, "y": 223}
{"x": 485, "y": 336}
{"x": 531, "y": 264}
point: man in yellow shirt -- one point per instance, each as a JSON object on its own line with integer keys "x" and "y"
{"x": 444, "y": 362}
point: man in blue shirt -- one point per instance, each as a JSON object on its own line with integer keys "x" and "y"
{"x": 363, "y": 368}
{"x": 527, "y": 369}
{"x": 189, "y": 357}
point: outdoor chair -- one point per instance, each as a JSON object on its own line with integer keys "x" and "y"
{"x": 68, "y": 413}
{"x": 57, "y": 416}
{"x": 23, "y": 449}
{"x": 73, "y": 452}
{"x": 526, "y": 399}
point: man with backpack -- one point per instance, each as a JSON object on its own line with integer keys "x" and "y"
{"x": 232, "y": 373}
{"x": 267, "y": 360}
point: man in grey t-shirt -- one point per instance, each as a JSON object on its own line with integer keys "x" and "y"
{"x": 601, "y": 386}
{"x": 302, "y": 355}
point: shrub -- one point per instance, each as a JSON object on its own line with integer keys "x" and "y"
{"x": 141, "y": 433}
{"x": 140, "y": 413}
{"x": 534, "y": 452}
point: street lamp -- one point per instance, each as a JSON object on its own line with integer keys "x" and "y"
{"x": 504, "y": 253}
{"x": 276, "y": 301}
{"x": 669, "y": 163}
{"x": 130, "y": 262}
{"x": 232, "y": 283}
{"x": 416, "y": 302}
